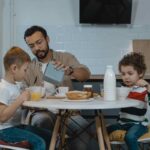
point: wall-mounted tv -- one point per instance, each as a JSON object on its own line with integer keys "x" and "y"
{"x": 105, "y": 11}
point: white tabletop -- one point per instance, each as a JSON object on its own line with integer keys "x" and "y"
{"x": 81, "y": 105}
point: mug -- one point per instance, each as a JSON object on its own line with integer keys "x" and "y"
{"x": 62, "y": 90}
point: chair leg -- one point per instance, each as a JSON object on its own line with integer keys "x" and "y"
{"x": 141, "y": 145}
{"x": 118, "y": 147}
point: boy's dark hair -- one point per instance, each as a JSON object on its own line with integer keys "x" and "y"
{"x": 15, "y": 55}
{"x": 134, "y": 59}
{"x": 31, "y": 30}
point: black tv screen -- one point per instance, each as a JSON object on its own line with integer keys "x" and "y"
{"x": 105, "y": 11}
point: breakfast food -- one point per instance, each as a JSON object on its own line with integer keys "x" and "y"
{"x": 78, "y": 95}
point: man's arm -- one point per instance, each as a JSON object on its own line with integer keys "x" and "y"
{"x": 71, "y": 66}
{"x": 80, "y": 74}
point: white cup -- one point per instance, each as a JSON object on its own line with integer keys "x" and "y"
{"x": 62, "y": 90}
{"x": 37, "y": 92}
{"x": 122, "y": 92}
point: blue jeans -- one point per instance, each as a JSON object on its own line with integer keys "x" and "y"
{"x": 75, "y": 125}
{"x": 134, "y": 131}
{"x": 38, "y": 138}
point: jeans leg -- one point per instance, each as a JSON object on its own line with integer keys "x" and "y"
{"x": 133, "y": 134}
{"x": 75, "y": 125}
{"x": 44, "y": 120}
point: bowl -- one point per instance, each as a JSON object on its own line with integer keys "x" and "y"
{"x": 122, "y": 92}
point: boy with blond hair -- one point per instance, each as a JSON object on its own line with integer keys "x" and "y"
{"x": 16, "y": 63}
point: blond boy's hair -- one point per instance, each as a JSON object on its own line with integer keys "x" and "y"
{"x": 15, "y": 55}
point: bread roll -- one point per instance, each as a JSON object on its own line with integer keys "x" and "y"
{"x": 78, "y": 95}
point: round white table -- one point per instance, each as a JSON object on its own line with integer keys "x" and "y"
{"x": 92, "y": 104}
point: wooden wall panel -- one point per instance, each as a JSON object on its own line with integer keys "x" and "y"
{"x": 143, "y": 46}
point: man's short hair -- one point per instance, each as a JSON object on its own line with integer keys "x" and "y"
{"x": 31, "y": 30}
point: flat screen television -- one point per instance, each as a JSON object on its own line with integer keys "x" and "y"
{"x": 105, "y": 11}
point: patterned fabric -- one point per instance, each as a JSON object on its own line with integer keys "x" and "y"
{"x": 135, "y": 114}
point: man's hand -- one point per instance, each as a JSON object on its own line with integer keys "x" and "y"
{"x": 60, "y": 66}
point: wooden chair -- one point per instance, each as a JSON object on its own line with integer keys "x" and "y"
{"x": 5, "y": 147}
{"x": 119, "y": 141}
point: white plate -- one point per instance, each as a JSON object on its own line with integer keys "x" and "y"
{"x": 56, "y": 97}
{"x": 82, "y": 100}
{"x": 104, "y": 100}
{"x": 59, "y": 95}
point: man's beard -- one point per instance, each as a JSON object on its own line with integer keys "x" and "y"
{"x": 41, "y": 54}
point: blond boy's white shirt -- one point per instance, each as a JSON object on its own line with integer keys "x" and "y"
{"x": 8, "y": 94}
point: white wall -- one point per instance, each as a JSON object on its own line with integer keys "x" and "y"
{"x": 94, "y": 45}
{"x": 1, "y": 39}
{"x": 1, "y": 16}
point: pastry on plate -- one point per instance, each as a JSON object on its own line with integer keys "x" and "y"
{"x": 78, "y": 95}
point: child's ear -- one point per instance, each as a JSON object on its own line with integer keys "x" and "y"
{"x": 141, "y": 75}
{"x": 13, "y": 67}
{"x": 48, "y": 39}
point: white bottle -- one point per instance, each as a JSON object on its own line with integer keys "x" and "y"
{"x": 109, "y": 84}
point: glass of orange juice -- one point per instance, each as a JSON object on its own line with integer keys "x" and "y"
{"x": 36, "y": 92}
{"x": 35, "y": 96}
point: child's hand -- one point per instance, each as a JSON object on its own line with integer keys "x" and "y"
{"x": 24, "y": 96}
{"x": 143, "y": 83}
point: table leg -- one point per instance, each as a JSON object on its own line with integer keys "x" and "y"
{"x": 63, "y": 132}
{"x": 55, "y": 133}
{"x": 99, "y": 133}
{"x": 105, "y": 134}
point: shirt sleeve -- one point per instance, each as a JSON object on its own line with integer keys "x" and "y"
{"x": 71, "y": 60}
{"x": 4, "y": 96}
